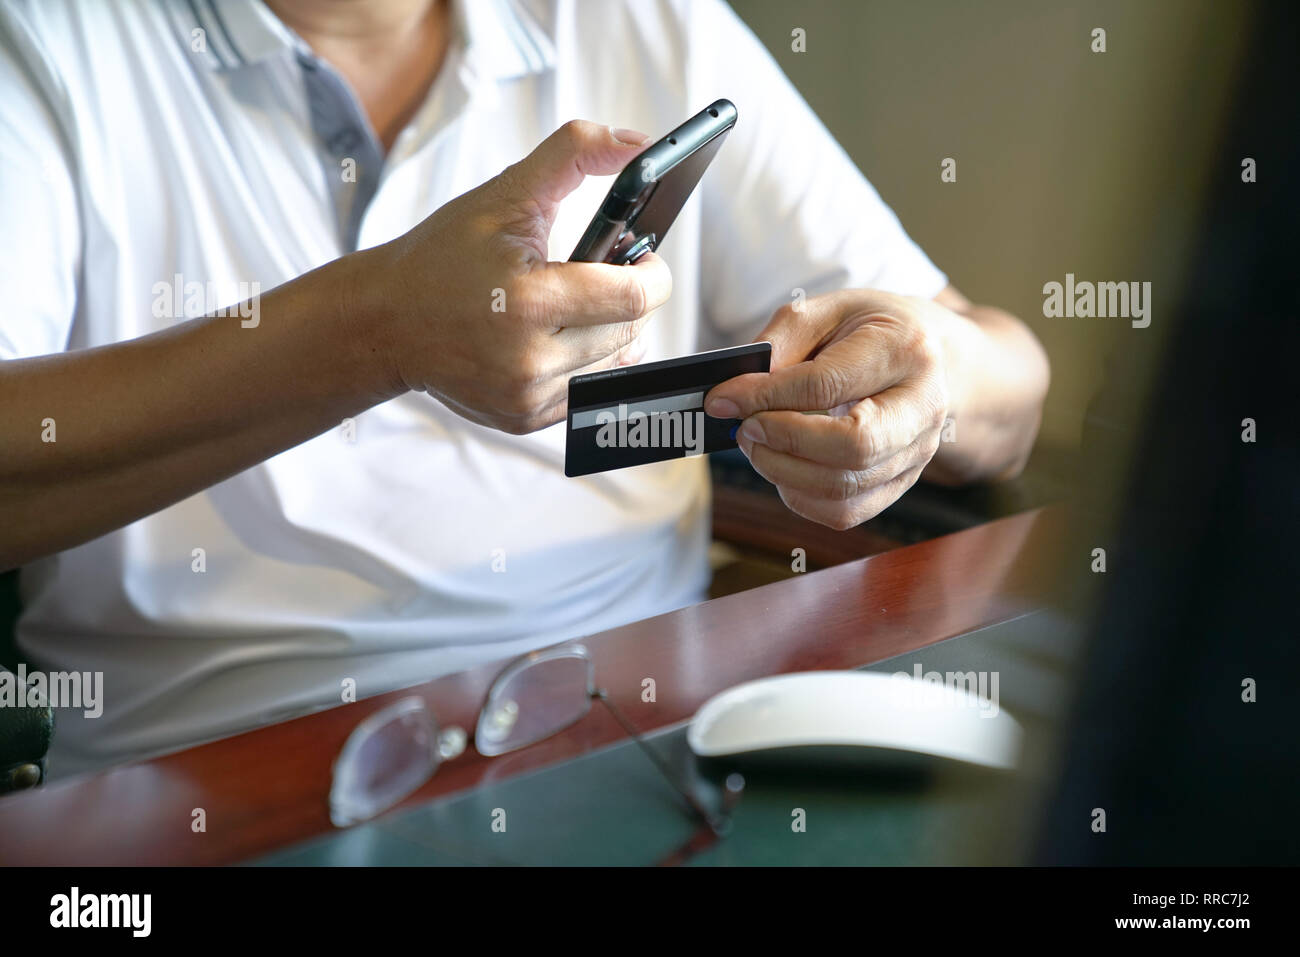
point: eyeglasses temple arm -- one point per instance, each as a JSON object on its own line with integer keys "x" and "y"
{"x": 658, "y": 762}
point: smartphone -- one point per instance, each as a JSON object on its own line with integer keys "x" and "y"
{"x": 652, "y": 189}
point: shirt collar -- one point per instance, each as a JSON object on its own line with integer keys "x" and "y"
{"x": 502, "y": 39}
{"x": 232, "y": 34}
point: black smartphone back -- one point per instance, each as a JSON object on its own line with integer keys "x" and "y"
{"x": 647, "y": 196}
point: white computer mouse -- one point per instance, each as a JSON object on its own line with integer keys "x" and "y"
{"x": 898, "y": 714}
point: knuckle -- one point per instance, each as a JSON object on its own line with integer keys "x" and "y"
{"x": 839, "y": 485}
{"x": 937, "y": 404}
{"x": 509, "y": 181}
{"x": 823, "y": 391}
{"x": 614, "y": 341}
{"x": 905, "y": 481}
{"x": 574, "y": 133}
{"x": 528, "y": 370}
{"x": 628, "y": 333}
{"x": 841, "y": 518}
{"x": 787, "y": 313}
{"x": 776, "y": 436}
{"x": 513, "y": 405}
{"x": 523, "y": 399}
{"x": 860, "y": 453}
{"x": 861, "y": 446}
{"x": 632, "y": 298}
{"x": 524, "y": 301}
{"x": 931, "y": 446}
{"x": 922, "y": 347}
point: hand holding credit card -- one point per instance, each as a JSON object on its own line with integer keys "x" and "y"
{"x": 635, "y": 415}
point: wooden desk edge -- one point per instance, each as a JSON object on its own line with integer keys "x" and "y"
{"x": 268, "y": 787}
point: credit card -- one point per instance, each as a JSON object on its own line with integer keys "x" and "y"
{"x": 635, "y": 415}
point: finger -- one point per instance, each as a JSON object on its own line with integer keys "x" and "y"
{"x": 823, "y": 481}
{"x": 555, "y": 407}
{"x": 628, "y": 355}
{"x": 548, "y": 412}
{"x": 868, "y": 359}
{"x": 849, "y": 514}
{"x": 869, "y": 432}
{"x": 607, "y": 348}
{"x": 563, "y": 295}
{"x": 560, "y": 163}
{"x": 798, "y": 330}
{"x": 602, "y": 312}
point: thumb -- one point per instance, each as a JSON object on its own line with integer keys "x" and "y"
{"x": 560, "y": 163}
{"x": 798, "y": 331}
{"x": 817, "y": 358}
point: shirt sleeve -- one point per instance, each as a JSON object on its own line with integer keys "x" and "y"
{"x": 40, "y": 228}
{"x": 784, "y": 206}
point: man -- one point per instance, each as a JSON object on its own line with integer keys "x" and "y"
{"x": 354, "y": 477}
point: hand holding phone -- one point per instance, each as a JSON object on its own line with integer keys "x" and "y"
{"x": 504, "y": 362}
{"x": 647, "y": 196}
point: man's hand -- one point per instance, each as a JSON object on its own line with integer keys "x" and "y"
{"x": 476, "y": 315}
{"x": 891, "y": 375}
{"x": 416, "y": 313}
{"x": 873, "y": 363}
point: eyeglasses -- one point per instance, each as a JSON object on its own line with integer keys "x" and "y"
{"x": 393, "y": 752}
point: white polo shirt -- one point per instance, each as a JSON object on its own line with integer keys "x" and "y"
{"x": 149, "y": 148}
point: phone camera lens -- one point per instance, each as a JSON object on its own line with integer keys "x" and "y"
{"x": 638, "y": 249}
